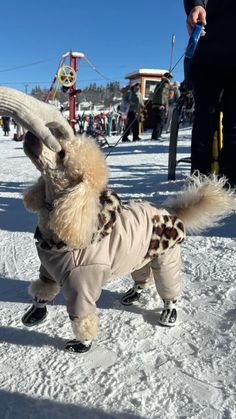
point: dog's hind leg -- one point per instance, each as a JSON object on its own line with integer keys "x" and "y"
{"x": 43, "y": 291}
{"x": 143, "y": 278}
{"x": 166, "y": 271}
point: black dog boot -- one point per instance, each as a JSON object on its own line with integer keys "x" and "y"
{"x": 77, "y": 346}
{"x": 132, "y": 295}
{"x": 169, "y": 314}
{"x": 36, "y": 314}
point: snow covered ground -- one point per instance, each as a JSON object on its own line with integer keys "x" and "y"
{"x": 136, "y": 368}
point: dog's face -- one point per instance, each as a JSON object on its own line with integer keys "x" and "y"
{"x": 52, "y": 165}
{"x": 78, "y": 161}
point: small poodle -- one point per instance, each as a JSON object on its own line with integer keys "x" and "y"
{"x": 85, "y": 236}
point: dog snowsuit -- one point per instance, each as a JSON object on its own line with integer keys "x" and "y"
{"x": 136, "y": 238}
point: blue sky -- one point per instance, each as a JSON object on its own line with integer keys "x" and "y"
{"x": 117, "y": 37}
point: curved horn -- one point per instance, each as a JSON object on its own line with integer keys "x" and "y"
{"x": 45, "y": 121}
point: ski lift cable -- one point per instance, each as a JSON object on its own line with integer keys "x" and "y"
{"x": 23, "y": 66}
{"x": 95, "y": 69}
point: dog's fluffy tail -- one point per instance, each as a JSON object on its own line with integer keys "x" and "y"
{"x": 203, "y": 203}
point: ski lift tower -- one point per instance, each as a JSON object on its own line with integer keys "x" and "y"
{"x": 67, "y": 77}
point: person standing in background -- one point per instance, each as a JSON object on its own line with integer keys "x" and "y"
{"x": 174, "y": 95}
{"x": 6, "y": 125}
{"x": 134, "y": 100}
{"x": 160, "y": 100}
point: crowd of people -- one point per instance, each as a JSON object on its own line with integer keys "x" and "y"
{"x": 105, "y": 124}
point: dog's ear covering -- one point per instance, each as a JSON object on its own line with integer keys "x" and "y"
{"x": 75, "y": 215}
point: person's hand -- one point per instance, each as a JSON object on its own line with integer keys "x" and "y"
{"x": 45, "y": 121}
{"x": 196, "y": 15}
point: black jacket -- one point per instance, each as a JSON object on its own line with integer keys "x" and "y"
{"x": 190, "y": 4}
{"x": 216, "y": 51}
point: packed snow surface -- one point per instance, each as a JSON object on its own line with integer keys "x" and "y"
{"x": 136, "y": 368}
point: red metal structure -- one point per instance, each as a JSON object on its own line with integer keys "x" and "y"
{"x": 73, "y": 64}
{"x": 66, "y": 75}
{"x": 74, "y": 56}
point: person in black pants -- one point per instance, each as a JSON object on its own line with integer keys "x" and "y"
{"x": 134, "y": 99}
{"x": 160, "y": 101}
{"x": 132, "y": 124}
{"x": 212, "y": 74}
{"x": 6, "y": 125}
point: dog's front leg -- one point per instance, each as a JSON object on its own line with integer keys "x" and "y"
{"x": 85, "y": 330}
{"x": 43, "y": 291}
{"x": 82, "y": 289}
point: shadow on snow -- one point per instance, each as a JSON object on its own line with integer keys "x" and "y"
{"x": 16, "y": 405}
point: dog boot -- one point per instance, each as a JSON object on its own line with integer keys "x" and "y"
{"x": 36, "y": 314}
{"x": 133, "y": 294}
{"x": 77, "y": 346}
{"x": 169, "y": 314}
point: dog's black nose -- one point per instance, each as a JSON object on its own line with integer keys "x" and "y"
{"x": 61, "y": 154}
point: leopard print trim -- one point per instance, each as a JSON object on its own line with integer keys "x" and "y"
{"x": 168, "y": 230}
{"x": 110, "y": 204}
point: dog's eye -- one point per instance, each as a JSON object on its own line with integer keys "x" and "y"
{"x": 61, "y": 154}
